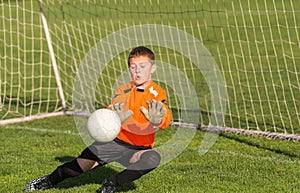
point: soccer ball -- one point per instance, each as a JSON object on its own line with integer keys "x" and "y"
{"x": 103, "y": 125}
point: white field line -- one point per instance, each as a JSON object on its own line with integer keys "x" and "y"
{"x": 69, "y": 132}
{"x": 224, "y": 152}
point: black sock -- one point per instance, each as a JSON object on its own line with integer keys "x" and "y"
{"x": 69, "y": 169}
{"x": 149, "y": 161}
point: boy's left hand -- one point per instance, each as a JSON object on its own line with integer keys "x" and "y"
{"x": 155, "y": 113}
{"x": 118, "y": 108}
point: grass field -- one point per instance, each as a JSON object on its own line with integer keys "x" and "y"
{"x": 233, "y": 164}
{"x": 255, "y": 44}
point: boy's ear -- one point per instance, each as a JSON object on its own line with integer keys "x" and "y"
{"x": 153, "y": 68}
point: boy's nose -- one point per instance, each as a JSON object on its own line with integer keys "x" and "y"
{"x": 137, "y": 69}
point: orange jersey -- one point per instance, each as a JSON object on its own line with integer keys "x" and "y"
{"x": 137, "y": 130}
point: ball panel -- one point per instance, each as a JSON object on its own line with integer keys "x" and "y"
{"x": 104, "y": 125}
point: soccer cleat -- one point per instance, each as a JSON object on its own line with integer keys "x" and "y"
{"x": 40, "y": 183}
{"x": 107, "y": 187}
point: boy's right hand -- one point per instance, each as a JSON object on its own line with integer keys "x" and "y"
{"x": 123, "y": 115}
{"x": 155, "y": 113}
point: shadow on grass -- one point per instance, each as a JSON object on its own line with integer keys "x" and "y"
{"x": 263, "y": 145}
{"x": 95, "y": 176}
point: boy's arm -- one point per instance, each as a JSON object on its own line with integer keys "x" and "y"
{"x": 118, "y": 101}
{"x": 166, "y": 120}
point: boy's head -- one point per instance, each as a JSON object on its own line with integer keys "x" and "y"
{"x": 141, "y": 51}
{"x": 141, "y": 65}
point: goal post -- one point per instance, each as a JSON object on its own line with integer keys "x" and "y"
{"x": 52, "y": 57}
{"x": 245, "y": 54}
{"x": 27, "y": 82}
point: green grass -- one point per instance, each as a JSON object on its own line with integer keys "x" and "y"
{"x": 233, "y": 164}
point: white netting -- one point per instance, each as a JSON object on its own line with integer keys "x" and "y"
{"x": 255, "y": 45}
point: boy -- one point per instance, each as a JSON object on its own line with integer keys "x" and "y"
{"x": 141, "y": 106}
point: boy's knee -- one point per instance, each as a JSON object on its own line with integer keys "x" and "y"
{"x": 151, "y": 159}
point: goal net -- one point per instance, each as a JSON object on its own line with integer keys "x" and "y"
{"x": 233, "y": 64}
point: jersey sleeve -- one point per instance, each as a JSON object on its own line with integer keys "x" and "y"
{"x": 166, "y": 120}
{"x": 121, "y": 94}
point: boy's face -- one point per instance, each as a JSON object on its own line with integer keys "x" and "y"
{"x": 141, "y": 70}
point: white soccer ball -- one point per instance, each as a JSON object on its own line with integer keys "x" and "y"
{"x": 104, "y": 125}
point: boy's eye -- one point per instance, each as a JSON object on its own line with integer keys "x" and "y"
{"x": 140, "y": 65}
{"x": 144, "y": 64}
{"x": 132, "y": 67}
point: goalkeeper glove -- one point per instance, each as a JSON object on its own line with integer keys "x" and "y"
{"x": 155, "y": 113}
{"x": 123, "y": 115}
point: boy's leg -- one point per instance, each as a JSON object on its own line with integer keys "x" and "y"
{"x": 147, "y": 162}
{"x": 70, "y": 169}
{"x": 66, "y": 170}
{"x": 86, "y": 161}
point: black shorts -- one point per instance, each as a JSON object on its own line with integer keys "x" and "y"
{"x": 114, "y": 151}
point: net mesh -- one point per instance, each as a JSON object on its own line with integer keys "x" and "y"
{"x": 255, "y": 45}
